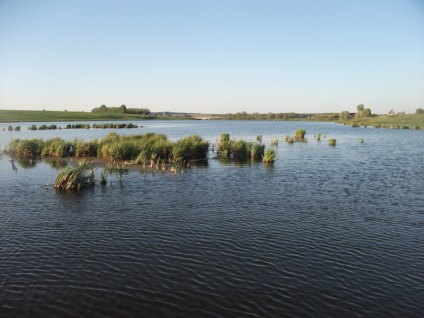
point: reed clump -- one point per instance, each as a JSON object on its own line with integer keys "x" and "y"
{"x": 75, "y": 177}
{"x": 332, "y": 142}
{"x": 115, "y": 147}
{"x": 238, "y": 149}
{"x": 257, "y": 151}
{"x": 269, "y": 156}
{"x": 83, "y": 148}
{"x": 190, "y": 148}
{"x": 27, "y": 148}
{"x": 299, "y": 134}
{"x": 56, "y": 147}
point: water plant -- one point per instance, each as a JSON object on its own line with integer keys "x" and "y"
{"x": 290, "y": 140}
{"x": 319, "y": 137}
{"x": 85, "y": 148}
{"x": 225, "y": 137}
{"x": 299, "y": 134}
{"x": 190, "y": 148}
{"x": 332, "y": 142}
{"x": 103, "y": 174}
{"x": 269, "y": 156}
{"x": 362, "y": 140}
{"x": 239, "y": 149}
{"x": 259, "y": 138}
{"x": 27, "y": 148}
{"x": 75, "y": 177}
{"x": 257, "y": 151}
{"x": 274, "y": 142}
{"x": 32, "y": 127}
{"x": 56, "y": 147}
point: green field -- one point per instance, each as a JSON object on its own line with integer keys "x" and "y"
{"x": 10, "y": 116}
{"x": 7, "y": 116}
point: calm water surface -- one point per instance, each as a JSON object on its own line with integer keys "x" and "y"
{"x": 325, "y": 231}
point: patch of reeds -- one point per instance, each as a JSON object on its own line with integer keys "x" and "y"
{"x": 45, "y": 127}
{"x": 75, "y": 177}
{"x": 27, "y": 148}
{"x": 190, "y": 148}
{"x": 274, "y": 142}
{"x": 332, "y": 142}
{"x": 77, "y": 126}
{"x": 299, "y": 134}
{"x": 361, "y": 140}
{"x": 114, "y": 126}
{"x": 257, "y": 151}
{"x": 269, "y": 156}
{"x": 259, "y": 138}
{"x": 238, "y": 149}
{"x": 33, "y": 127}
{"x": 56, "y": 147}
{"x": 83, "y": 148}
{"x": 113, "y": 168}
{"x": 318, "y": 137}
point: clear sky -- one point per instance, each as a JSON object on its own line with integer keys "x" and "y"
{"x": 212, "y": 56}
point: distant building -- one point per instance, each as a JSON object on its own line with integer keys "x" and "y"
{"x": 391, "y": 112}
{"x": 166, "y": 114}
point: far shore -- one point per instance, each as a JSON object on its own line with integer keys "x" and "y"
{"x": 396, "y": 121}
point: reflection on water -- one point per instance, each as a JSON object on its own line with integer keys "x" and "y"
{"x": 324, "y": 231}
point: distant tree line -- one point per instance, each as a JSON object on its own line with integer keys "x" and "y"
{"x": 419, "y": 111}
{"x": 121, "y": 109}
{"x": 276, "y": 116}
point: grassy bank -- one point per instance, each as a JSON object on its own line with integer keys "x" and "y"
{"x": 8, "y": 116}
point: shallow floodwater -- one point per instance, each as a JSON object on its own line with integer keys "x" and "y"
{"x": 324, "y": 231}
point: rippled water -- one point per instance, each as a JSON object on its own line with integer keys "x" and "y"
{"x": 325, "y": 231}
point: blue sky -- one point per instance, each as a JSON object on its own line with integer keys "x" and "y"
{"x": 221, "y": 56}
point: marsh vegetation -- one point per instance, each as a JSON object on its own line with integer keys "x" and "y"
{"x": 115, "y": 147}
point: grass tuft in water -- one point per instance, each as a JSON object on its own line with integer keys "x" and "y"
{"x": 332, "y": 142}
{"x": 75, "y": 177}
{"x": 269, "y": 156}
{"x": 299, "y": 134}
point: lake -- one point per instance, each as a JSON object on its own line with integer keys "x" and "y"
{"x": 324, "y": 231}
